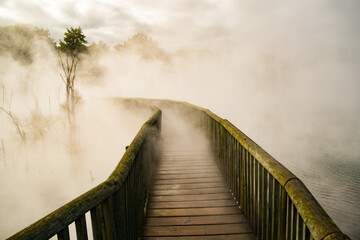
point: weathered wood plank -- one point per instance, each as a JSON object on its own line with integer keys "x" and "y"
{"x": 188, "y": 180}
{"x": 189, "y": 186}
{"x": 188, "y": 171}
{"x": 199, "y": 230}
{"x": 193, "y": 204}
{"x": 179, "y": 212}
{"x": 191, "y": 197}
{"x": 185, "y": 165}
{"x": 189, "y": 191}
{"x": 187, "y": 176}
{"x": 185, "y": 154}
{"x": 187, "y": 168}
{"x": 187, "y": 151}
{"x": 187, "y": 159}
{"x": 195, "y": 220}
{"x": 244, "y": 236}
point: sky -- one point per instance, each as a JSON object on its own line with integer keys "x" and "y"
{"x": 113, "y": 21}
{"x": 187, "y": 23}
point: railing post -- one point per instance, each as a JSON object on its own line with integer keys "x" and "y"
{"x": 64, "y": 234}
{"x": 81, "y": 231}
{"x": 282, "y": 213}
{"x": 120, "y": 213}
{"x": 108, "y": 212}
{"x": 256, "y": 196}
{"x": 97, "y": 222}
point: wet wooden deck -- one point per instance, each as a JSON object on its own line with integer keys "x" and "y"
{"x": 189, "y": 198}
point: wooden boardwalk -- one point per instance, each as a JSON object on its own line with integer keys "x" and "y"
{"x": 189, "y": 198}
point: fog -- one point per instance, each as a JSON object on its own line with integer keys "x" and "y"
{"x": 50, "y": 166}
{"x": 286, "y": 74}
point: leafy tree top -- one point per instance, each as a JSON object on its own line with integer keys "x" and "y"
{"x": 74, "y": 41}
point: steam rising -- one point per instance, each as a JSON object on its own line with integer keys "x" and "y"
{"x": 50, "y": 167}
{"x": 285, "y": 73}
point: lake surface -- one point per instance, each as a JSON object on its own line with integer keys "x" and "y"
{"x": 335, "y": 183}
{"x": 326, "y": 157}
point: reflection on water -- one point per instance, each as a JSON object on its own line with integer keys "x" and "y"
{"x": 335, "y": 183}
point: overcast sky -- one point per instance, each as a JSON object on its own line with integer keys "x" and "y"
{"x": 189, "y": 22}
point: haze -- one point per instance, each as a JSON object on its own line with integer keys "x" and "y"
{"x": 285, "y": 73}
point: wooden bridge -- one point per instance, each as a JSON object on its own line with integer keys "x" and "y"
{"x": 191, "y": 175}
{"x": 189, "y": 197}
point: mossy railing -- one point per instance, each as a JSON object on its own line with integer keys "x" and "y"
{"x": 117, "y": 206}
{"x": 277, "y": 203}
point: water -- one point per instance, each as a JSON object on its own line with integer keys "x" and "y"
{"x": 335, "y": 183}
{"x": 326, "y": 157}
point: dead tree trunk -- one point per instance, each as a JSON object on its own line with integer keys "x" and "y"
{"x": 69, "y": 75}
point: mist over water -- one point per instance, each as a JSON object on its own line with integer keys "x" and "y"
{"x": 50, "y": 166}
{"x": 286, "y": 74}
{"x": 42, "y": 176}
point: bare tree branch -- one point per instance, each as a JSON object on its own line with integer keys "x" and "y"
{"x": 16, "y": 123}
{"x": 62, "y": 78}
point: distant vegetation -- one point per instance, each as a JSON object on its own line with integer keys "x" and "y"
{"x": 145, "y": 46}
{"x": 23, "y": 43}
{"x": 18, "y": 41}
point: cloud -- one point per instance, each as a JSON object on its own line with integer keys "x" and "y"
{"x": 94, "y": 16}
{"x": 194, "y": 23}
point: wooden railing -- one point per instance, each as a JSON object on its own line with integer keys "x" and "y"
{"x": 277, "y": 204}
{"x": 117, "y": 206}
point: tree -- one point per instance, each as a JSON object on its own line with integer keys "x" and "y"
{"x": 71, "y": 47}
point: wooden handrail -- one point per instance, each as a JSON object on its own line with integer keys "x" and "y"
{"x": 277, "y": 204}
{"x": 117, "y": 206}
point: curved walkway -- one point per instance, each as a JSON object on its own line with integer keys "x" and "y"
{"x": 189, "y": 197}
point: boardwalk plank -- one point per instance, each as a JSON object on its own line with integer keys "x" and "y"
{"x": 180, "y": 212}
{"x": 190, "y": 191}
{"x": 185, "y": 165}
{"x": 192, "y": 204}
{"x": 197, "y": 230}
{"x": 187, "y": 180}
{"x": 200, "y": 197}
{"x": 188, "y": 186}
{"x": 187, "y": 176}
{"x": 244, "y": 236}
{"x": 188, "y": 171}
{"x": 186, "y": 168}
{"x": 195, "y": 220}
